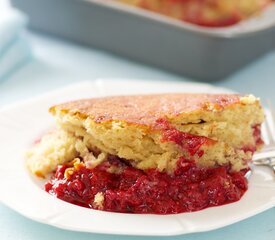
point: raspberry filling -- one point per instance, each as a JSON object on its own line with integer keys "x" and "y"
{"x": 257, "y": 137}
{"x": 257, "y": 134}
{"x": 186, "y": 141}
{"x": 128, "y": 190}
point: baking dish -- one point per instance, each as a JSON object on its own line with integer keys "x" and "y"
{"x": 198, "y": 52}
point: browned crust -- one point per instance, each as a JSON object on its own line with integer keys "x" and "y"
{"x": 145, "y": 109}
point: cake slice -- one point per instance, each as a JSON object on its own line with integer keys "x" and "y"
{"x": 125, "y": 144}
{"x": 154, "y": 131}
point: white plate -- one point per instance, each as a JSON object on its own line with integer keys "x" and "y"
{"x": 21, "y": 123}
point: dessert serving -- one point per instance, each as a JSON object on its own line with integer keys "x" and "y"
{"x": 162, "y": 154}
{"x": 212, "y": 13}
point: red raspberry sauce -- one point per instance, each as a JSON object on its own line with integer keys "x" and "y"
{"x": 134, "y": 191}
{"x": 186, "y": 141}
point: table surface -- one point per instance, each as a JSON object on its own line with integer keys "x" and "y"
{"x": 57, "y": 63}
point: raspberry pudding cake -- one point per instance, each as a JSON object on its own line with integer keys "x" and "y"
{"x": 211, "y": 13}
{"x": 162, "y": 154}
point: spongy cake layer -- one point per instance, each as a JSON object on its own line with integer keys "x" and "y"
{"x": 127, "y": 126}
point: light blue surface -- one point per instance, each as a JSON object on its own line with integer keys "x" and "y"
{"x": 12, "y": 21}
{"x": 14, "y": 56}
{"x": 14, "y": 50}
{"x": 58, "y": 63}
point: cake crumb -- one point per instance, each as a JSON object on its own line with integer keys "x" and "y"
{"x": 99, "y": 200}
{"x": 248, "y": 99}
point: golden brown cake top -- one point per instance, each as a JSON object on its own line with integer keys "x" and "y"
{"x": 145, "y": 109}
